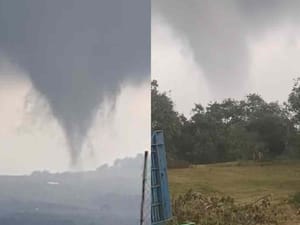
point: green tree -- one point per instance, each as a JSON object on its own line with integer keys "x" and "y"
{"x": 164, "y": 117}
{"x": 229, "y": 130}
{"x": 294, "y": 102}
{"x": 294, "y": 108}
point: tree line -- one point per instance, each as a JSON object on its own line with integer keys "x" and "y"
{"x": 229, "y": 130}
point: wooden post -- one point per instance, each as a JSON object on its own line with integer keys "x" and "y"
{"x": 144, "y": 187}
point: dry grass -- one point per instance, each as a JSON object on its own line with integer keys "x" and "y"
{"x": 244, "y": 181}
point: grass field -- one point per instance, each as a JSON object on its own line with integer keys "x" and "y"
{"x": 245, "y": 181}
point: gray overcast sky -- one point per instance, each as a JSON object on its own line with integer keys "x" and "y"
{"x": 71, "y": 73}
{"x": 205, "y": 50}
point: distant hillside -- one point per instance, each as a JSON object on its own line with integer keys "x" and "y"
{"x": 96, "y": 197}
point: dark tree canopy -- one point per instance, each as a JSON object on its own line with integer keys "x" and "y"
{"x": 229, "y": 130}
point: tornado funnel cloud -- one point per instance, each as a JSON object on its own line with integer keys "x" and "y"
{"x": 77, "y": 53}
{"x": 221, "y": 34}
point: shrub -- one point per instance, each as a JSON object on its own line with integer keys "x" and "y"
{"x": 177, "y": 164}
{"x": 222, "y": 210}
{"x": 296, "y": 199}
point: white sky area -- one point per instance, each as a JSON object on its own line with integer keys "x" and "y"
{"x": 274, "y": 63}
{"x": 32, "y": 139}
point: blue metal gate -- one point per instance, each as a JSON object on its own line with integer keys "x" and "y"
{"x": 160, "y": 197}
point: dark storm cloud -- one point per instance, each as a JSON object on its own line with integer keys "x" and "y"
{"x": 219, "y": 32}
{"x": 77, "y": 52}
